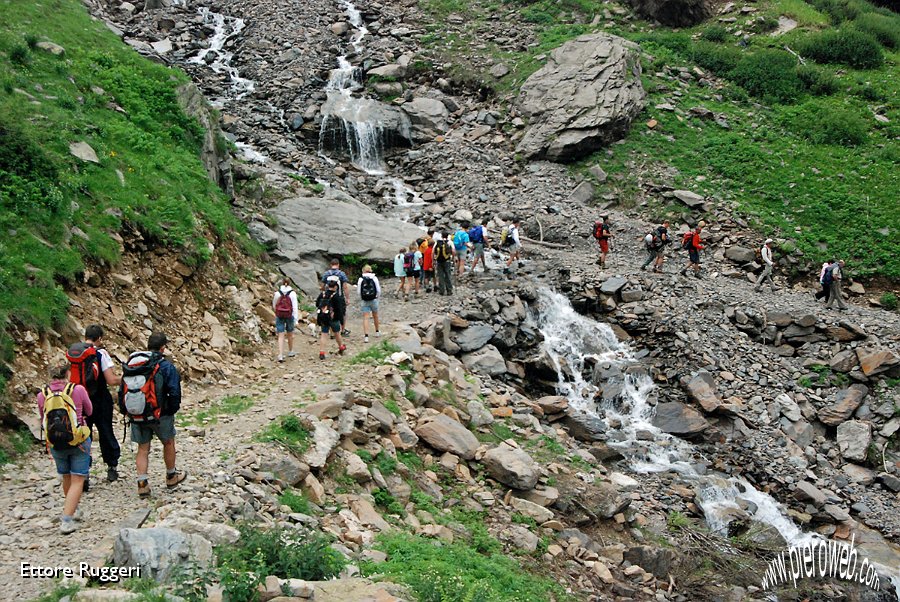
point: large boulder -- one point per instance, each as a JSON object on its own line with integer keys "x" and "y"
{"x": 336, "y": 225}
{"x": 159, "y": 550}
{"x": 474, "y": 337}
{"x": 876, "y": 361}
{"x": 511, "y": 466}
{"x": 445, "y": 434}
{"x": 582, "y": 99}
{"x": 428, "y": 116}
{"x": 853, "y": 439}
{"x": 678, "y": 419}
{"x": 674, "y": 13}
{"x": 740, "y": 254}
{"x": 702, "y": 389}
{"x": 846, "y": 402}
{"x": 487, "y": 360}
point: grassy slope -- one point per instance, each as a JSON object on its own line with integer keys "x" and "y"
{"x": 124, "y": 106}
{"x": 765, "y": 161}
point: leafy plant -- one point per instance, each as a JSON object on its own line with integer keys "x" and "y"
{"x": 192, "y": 582}
{"x": 844, "y": 46}
{"x": 888, "y": 300}
{"x": 817, "y": 80}
{"x": 19, "y": 55}
{"x": 828, "y": 123}
{"x": 384, "y": 499}
{"x": 768, "y": 74}
{"x": 289, "y": 432}
{"x": 884, "y": 28}
{"x": 719, "y": 59}
{"x": 296, "y": 501}
{"x": 376, "y": 354}
{"x": 714, "y": 33}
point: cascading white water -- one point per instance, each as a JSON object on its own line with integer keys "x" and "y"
{"x": 574, "y": 342}
{"x": 224, "y": 29}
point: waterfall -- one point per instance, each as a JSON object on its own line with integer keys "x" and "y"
{"x": 224, "y": 29}
{"x": 574, "y": 343}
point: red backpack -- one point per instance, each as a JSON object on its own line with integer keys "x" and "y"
{"x": 284, "y": 308}
{"x": 142, "y": 386}
{"x": 687, "y": 241}
{"x": 85, "y": 366}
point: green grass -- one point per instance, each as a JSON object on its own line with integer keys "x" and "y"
{"x": 58, "y": 593}
{"x": 230, "y": 405}
{"x": 14, "y": 444}
{"x": 376, "y": 354}
{"x": 439, "y": 572}
{"x": 295, "y": 501}
{"x": 800, "y": 11}
{"x": 289, "y": 432}
{"x": 137, "y": 129}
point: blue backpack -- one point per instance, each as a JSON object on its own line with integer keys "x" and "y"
{"x": 828, "y": 278}
{"x": 476, "y": 235}
{"x": 459, "y": 239}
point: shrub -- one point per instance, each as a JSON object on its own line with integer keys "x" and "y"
{"x": 883, "y": 28}
{"x": 768, "y": 74}
{"x": 845, "y": 46}
{"x": 19, "y": 54}
{"x": 888, "y": 300}
{"x": 718, "y": 59}
{"x": 827, "y": 123}
{"x": 837, "y": 10}
{"x": 295, "y": 501}
{"x": 714, "y": 33}
{"x": 766, "y": 23}
{"x": 816, "y": 80}
{"x": 289, "y": 432}
{"x": 285, "y": 553}
{"x": 32, "y": 40}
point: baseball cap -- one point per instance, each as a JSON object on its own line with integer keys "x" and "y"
{"x": 768, "y": 240}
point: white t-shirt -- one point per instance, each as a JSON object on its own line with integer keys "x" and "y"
{"x": 377, "y": 286}
{"x": 514, "y": 234}
{"x": 292, "y": 295}
{"x": 105, "y": 360}
{"x": 766, "y": 253}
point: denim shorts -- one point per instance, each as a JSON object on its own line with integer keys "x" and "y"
{"x": 369, "y": 307}
{"x": 284, "y": 325}
{"x": 164, "y": 429}
{"x": 333, "y": 327}
{"x": 73, "y": 460}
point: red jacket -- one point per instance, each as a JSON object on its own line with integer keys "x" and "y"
{"x": 696, "y": 241}
{"x": 428, "y": 258}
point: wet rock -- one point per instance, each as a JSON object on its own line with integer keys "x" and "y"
{"x": 807, "y": 492}
{"x": 585, "y": 427}
{"x": 846, "y": 402}
{"x": 583, "y": 98}
{"x": 511, "y": 466}
{"x": 445, "y": 434}
{"x": 853, "y": 439}
{"x": 678, "y": 419}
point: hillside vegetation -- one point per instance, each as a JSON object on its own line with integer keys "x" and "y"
{"x": 59, "y": 213}
{"x": 805, "y": 142}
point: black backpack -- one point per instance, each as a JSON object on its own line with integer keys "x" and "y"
{"x": 325, "y": 309}
{"x": 367, "y": 289}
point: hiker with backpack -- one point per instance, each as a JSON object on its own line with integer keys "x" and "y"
{"x": 478, "y": 236}
{"x": 428, "y": 266}
{"x": 150, "y": 396}
{"x": 63, "y": 407}
{"x": 826, "y": 286}
{"x": 834, "y": 275}
{"x": 513, "y": 244}
{"x": 655, "y": 243}
{"x": 92, "y": 368}
{"x": 330, "y": 315}
{"x": 765, "y": 255}
{"x": 692, "y": 243}
{"x": 415, "y": 275}
{"x": 284, "y": 302}
{"x": 369, "y": 290}
{"x": 400, "y": 267}
{"x": 461, "y": 245}
{"x": 343, "y": 287}
{"x": 444, "y": 254}
{"x": 602, "y": 235}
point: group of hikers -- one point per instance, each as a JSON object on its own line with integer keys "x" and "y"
{"x": 77, "y": 399}
{"x": 656, "y": 241}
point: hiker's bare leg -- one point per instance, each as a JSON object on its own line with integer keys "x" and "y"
{"x": 73, "y": 492}
{"x": 322, "y": 338}
{"x": 169, "y": 454}
{"x": 142, "y": 460}
{"x": 365, "y": 322}
{"x": 338, "y": 339}
{"x": 280, "y": 344}
{"x": 375, "y": 319}
{"x": 290, "y": 340}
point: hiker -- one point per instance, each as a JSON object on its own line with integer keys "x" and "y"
{"x": 478, "y": 236}
{"x": 369, "y": 290}
{"x": 343, "y": 287}
{"x": 514, "y": 244}
{"x": 443, "y": 261}
{"x": 461, "y": 244}
{"x": 826, "y": 287}
{"x": 416, "y": 262}
{"x": 765, "y": 254}
{"x": 424, "y": 243}
{"x": 693, "y": 245}
{"x": 330, "y": 310}
{"x": 92, "y": 368}
{"x": 150, "y": 396}
{"x": 284, "y": 302}
{"x": 602, "y": 234}
{"x": 400, "y": 271}
{"x": 63, "y": 407}
{"x": 428, "y": 267}
{"x": 655, "y": 242}
{"x": 835, "y": 276}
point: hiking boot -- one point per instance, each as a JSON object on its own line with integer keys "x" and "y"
{"x": 79, "y": 515}
{"x": 321, "y": 355}
{"x": 281, "y": 358}
{"x": 144, "y": 488}
{"x": 366, "y": 339}
{"x": 346, "y": 333}
{"x": 342, "y": 349}
{"x": 377, "y": 333}
{"x": 292, "y": 353}
{"x": 174, "y": 479}
{"x": 67, "y": 526}
{"x": 87, "y": 485}
{"x": 112, "y": 474}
